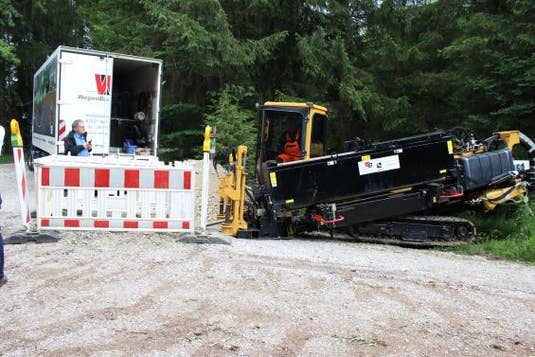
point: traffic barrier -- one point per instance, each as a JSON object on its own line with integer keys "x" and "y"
{"x": 114, "y": 194}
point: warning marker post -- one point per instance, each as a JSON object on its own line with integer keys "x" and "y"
{"x": 204, "y": 236}
{"x": 26, "y": 235}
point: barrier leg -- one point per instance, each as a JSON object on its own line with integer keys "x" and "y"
{"x": 203, "y": 236}
{"x": 22, "y": 185}
{"x": 204, "y": 189}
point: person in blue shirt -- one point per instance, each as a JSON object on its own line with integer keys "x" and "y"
{"x": 76, "y": 142}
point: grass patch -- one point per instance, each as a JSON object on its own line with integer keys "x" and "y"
{"x": 6, "y": 158}
{"x": 359, "y": 340}
{"x": 508, "y": 232}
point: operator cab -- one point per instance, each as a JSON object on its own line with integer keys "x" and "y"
{"x": 289, "y": 132}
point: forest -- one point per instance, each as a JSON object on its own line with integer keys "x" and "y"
{"x": 383, "y": 68}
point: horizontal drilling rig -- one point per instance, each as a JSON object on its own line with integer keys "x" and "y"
{"x": 394, "y": 191}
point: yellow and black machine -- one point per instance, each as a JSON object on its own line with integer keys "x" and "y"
{"x": 393, "y": 191}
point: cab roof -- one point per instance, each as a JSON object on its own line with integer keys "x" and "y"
{"x": 296, "y": 105}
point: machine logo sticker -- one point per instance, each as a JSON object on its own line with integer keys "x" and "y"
{"x": 380, "y": 164}
{"x": 103, "y": 82}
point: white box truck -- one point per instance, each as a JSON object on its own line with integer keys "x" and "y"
{"x": 117, "y": 95}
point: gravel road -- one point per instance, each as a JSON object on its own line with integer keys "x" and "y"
{"x": 146, "y": 294}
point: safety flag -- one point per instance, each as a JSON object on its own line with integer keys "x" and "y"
{"x": 16, "y": 138}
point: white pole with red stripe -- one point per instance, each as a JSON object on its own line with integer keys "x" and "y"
{"x": 205, "y": 181}
{"x": 2, "y": 134}
{"x": 20, "y": 170}
{"x": 62, "y": 134}
{"x": 62, "y": 131}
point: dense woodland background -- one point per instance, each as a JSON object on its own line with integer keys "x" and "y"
{"x": 384, "y": 68}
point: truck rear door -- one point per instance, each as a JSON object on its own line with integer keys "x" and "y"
{"x": 85, "y": 93}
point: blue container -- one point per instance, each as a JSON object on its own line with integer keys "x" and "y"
{"x": 129, "y": 146}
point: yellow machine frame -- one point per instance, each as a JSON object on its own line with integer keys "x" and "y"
{"x": 490, "y": 198}
{"x": 232, "y": 194}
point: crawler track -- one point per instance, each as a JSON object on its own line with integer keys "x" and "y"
{"x": 417, "y": 231}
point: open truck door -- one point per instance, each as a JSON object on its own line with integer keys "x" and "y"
{"x": 87, "y": 98}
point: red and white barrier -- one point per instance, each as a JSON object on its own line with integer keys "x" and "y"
{"x": 22, "y": 185}
{"x": 114, "y": 195}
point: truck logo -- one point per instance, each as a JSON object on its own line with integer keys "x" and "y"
{"x": 382, "y": 164}
{"x": 103, "y": 83}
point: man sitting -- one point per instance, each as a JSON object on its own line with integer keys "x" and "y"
{"x": 76, "y": 142}
{"x": 292, "y": 138}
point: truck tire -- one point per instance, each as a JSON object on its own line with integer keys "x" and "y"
{"x": 29, "y": 162}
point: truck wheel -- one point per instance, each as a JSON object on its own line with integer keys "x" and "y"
{"x": 29, "y": 162}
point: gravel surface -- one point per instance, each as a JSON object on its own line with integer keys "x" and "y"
{"x": 145, "y": 294}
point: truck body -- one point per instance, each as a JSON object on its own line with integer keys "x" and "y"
{"x": 117, "y": 95}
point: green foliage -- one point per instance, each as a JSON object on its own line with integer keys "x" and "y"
{"x": 119, "y": 25}
{"x": 506, "y": 232}
{"x": 493, "y": 57}
{"x": 6, "y": 157}
{"x": 180, "y": 145}
{"x": 8, "y": 61}
{"x": 8, "y": 15}
{"x": 385, "y": 69}
{"x": 29, "y": 32}
{"x": 510, "y": 249}
{"x": 200, "y": 53}
{"x": 235, "y": 126}
{"x": 180, "y": 128}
